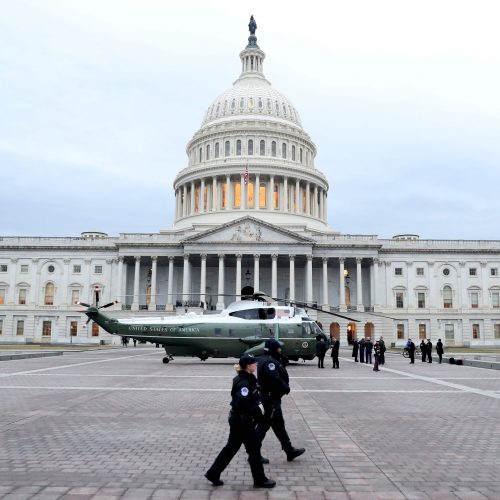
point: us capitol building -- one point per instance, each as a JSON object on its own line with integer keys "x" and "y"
{"x": 251, "y": 214}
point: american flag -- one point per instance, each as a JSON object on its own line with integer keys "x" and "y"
{"x": 245, "y": 175}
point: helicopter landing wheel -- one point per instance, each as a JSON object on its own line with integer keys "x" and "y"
{"x": 166, "y": 359}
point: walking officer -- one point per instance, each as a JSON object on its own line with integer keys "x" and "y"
{"x": 243, "y": 417}
{"x": 274, "y": 384}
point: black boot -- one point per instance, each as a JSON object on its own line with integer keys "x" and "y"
{"x": 294, "y": 453}
{"x": 263, "y": 460}
{"x": 266, "y": 483}
{"x": 215, "y": 481}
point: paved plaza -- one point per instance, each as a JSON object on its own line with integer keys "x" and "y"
{"x": 120, "y": 424}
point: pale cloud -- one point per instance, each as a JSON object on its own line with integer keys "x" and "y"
{"x": 99, "y": 99}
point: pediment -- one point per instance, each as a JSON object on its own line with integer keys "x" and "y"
{"x": 248, "y": 230}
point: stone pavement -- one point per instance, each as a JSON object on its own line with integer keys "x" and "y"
{"x": 120, "y": 424}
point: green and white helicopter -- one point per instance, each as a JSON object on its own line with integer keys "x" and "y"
{"x": 241, "y": 328}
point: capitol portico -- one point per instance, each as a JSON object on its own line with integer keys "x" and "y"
{"x": 251, "y": 212}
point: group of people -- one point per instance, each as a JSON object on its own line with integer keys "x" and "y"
{"x": 425, "y": 350}
{"x": 256, "y": 408}
{"x": 126, "y": 340}
{"x": 365, "y": 347}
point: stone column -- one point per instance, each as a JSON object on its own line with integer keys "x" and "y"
{"x": 170, "y": 300}
{"x": 292, "y": 277}
{"x": 135, "y": 301}
{"x": 256, "y": 273}
{"x": 152, "y": 302}
{"x": 321, "y": 204}
{"x": 192, "y": 198}
{"x": 325, "y": 305}
{"x": 214, "y": 193}
{"x": 270, "y": 197}
{"x": 325, "y": 206}
{"x": 274, "y": 275}
{"x": 220, "y": 300}
{"x": 184, "y": 200}
{"x": 201, "y": 201}
{"x": 119, "y": 281}
{"x": 342, "y": 304}
{"x": 359, "y": 286}
{"x": 228, "y": 192}
{"x": 238, "y": 276}
{"x": 297, "y": 196}
{"x": 375, "y": 282}
{"x": 256, "y": 193}
{"x": 309, "y": 279}
{"x": 185, "y": 279}
{"x": 285, "y": 194}
{"x": 203, "y": 279}
{"x": 308, "y": 199}
{"x": 315, "y": 202}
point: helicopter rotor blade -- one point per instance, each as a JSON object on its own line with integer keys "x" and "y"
{"x": 83, "y": 304}
{"x": 109, "y": 304}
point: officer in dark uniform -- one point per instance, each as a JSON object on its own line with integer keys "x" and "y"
{"x": 274, "y": 384}
{"x": 411, "y": 351}
{"x": 243, "y": 418}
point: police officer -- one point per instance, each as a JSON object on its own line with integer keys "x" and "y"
{"x": 411, "y": 351}
{"x": 274, "y": 384}
{"x": 243, "y": 417}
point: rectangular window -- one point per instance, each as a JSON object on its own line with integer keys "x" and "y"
{"x": 474, "y": 300}
{"x": 449, "y": 332}
{"x": 400, "y": 331}
{"x": 20, "y": 327}
{"x": 421, "y": 300}
{"x": 399, "y": 300}
{"x": 422, "y": 331}
{"x": 420, "y": 271}
{"x": 276, "y": 196}
{"x": 250, "y": 195}
{"x": 2, "y": 296}
{"x": 25, "y": 268}
{"x": 472, "y": 271}
{"x": 495, "y": 300}
{"x": 95, "y": 329}
{"x": 3, "y": 268}
{"x": 262, "y": 196}
{"x": 73, "y": 328}
{"x": 224, "y": 196}
{"x": 475, "y": 331}
{"x": 77, "y": 269}
{"x": 46, "y": 328}
{"x": 494, "y": 271}
{"x": 75, "y": 296}
{"x": 22, "y": 296}
{"x": 497, "y": 331}
{"x": 237, "y": 195}
{"x": 398, "y": 271}
{"x": 98, "y": 269}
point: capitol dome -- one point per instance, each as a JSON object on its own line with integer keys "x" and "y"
{"x": 251, "y": 156}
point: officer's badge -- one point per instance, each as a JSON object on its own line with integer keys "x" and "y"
{"x": 271, "y": 366}
{"x": 244, "y": 391}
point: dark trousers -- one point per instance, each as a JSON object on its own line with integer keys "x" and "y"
{"x": 240, "y": 432}
{"x": 273, "y": 419}
{"x": 375, "y": 365}
{"x": 412, "y": 357}
{"x": 361, "y": 355}
{"x": 440, "y": 357}
{"x": 335, "y": 360}
{"x": 382, "y": 358}
{"x": 429, "y": 357}
{"x": 368, "y": 357}
{"x": 424, "y": 355}
{"x": 321, "y": 360}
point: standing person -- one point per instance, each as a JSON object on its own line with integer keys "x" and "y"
{"x": 362, "y": 350}
{"x": 355, "y": 348}
{"x": 321, "y": 349}
{"x": 423, "y": 350}
{"x": 439, "y": 350}
{"x": 135, "y": 342}
{"x": 382, "y": 350}
{"x": 335, "y": 352}
{"x": 274, "y": 384}
{"x": 376, "y": 354}
{"x": 368, "y": 350}
{"x": 244, "y": 415}
{"x": 411, "y": 351}
{"x": 429, "y": 350}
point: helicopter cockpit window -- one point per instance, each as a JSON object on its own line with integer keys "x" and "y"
{"x": 270, "y": 313}
{"x": 306, "y": 329}
{"x": 247, "y": 314}
{"x": 316, "y": 330}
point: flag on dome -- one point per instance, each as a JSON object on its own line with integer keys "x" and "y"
{"x": 245, "y": 175}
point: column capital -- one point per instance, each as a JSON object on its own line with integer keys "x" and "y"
{"x": 14, "y": 260}
{"x": 325, "y": 260}
{"x": 154, "y": 257}
{"x": 203, "y": 256}
{"x": 108, "y": 261}
{"x": 274, "y": 256}
{"x": 221, "y": 255}
{"x": 121, "y": 258}
{"x": 375, "y": 260}
{"x": 88, "y": 260}
{"x": 483, "y": 264}
{"x": 238, "y": 256}
{"x": 67, "y": 261}
{"x": 461, "y": 264}
{"x": 342, "y": 259}
{"x": 292, "y": 257}
{"x": 256, "y": 256}
{"x": 409, "y": 263}
{"x": 186, "y": 256}
{"x": 137, "y": 258}
{"x": 171, "y": 258}
{"x": 358, "y": 260}
{"x": 309, "y": 257}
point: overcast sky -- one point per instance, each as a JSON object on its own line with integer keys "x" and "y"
{"x": 98, "y": 99}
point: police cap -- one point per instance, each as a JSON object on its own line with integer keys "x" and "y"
{"x": 272, "y": 345}
{"x": 245, "y": 360}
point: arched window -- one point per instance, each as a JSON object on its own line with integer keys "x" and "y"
{"x": 238, "y": 147}
{"x": 262, "y": 195}
{"x": 217, "y": 150}
{"x": 233, "y": 104}
{"x": 242, "y": 103}
{"x": 260, "y": 103}
{"x": 293, "y": 153}
{"x": 208, "y": 152}
{"x": 95, "y": 329}
{"x": 284, "y": 108}
{"x": 300, "y": 155}
{"x": 250, "y": 147}
{"x": 269, "y": 104}
{"x": 262, "y": 148}
{"x": 277, "y": 107}
{"x": 447, "y": 297}
{"x": 226, "y": 148}
{"x": 49, "y": 294}
{"x": 283, "y": 150}
{"x": 273, "y": 148}
{"x": 201, "y": 155}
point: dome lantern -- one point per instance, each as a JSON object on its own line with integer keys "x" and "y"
{"x": 252, "y": 57}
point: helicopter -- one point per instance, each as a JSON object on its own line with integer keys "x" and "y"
{"x": 241, "y": 328}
